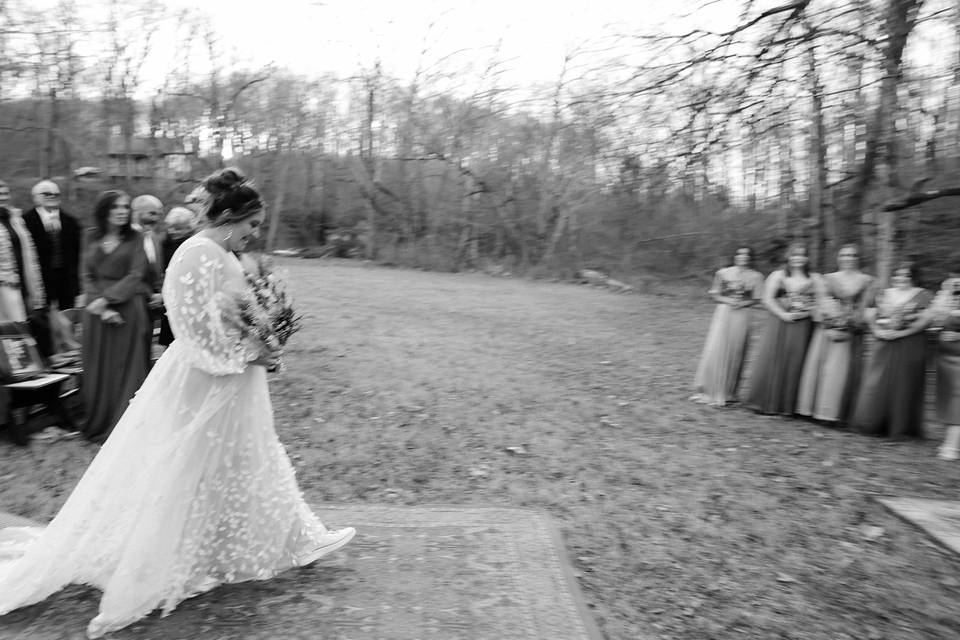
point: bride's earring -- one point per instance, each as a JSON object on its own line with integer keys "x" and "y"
{"x": 229, "y": 235}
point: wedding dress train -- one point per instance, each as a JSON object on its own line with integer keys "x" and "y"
{"x": 191, "y": 490}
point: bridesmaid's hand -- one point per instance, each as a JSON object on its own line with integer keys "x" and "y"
{"x": 949, "y": 336}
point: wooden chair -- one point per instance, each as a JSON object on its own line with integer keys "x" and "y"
{"x": 28, "y": 382}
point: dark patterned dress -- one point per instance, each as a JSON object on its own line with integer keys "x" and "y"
{"x": 783, "y": 347}
{"x": 891, "y": 396}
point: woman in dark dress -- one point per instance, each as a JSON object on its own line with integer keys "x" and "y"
{"x": 116, "y": 319}
{"x": 944, "y": 313}
{"x": 890, "y": 401}
{"x": 788, "y": 295}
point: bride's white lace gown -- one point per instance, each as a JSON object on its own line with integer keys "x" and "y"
{"x": 192, "y": 489}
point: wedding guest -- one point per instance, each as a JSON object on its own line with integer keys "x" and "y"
{"x": 22, "y": 295}
{"x": 56, "y": 237}
{"x": 116, "y": 319}
{"x": 788, "y": 295}
{"x": 891, "y": 395}
{"x": 194, "y": 489}
{"x": 831, "y": 372}
{"x": 146, "y": 211}
{"x": 944, "y": 313}
{"x": 5, "y": 199}
{"x": 736, "y": 289}
{"x": 179, "y": 225}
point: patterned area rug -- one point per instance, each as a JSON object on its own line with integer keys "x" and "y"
{"x": 940, "y": 519}
{"x": 423, "y": 573}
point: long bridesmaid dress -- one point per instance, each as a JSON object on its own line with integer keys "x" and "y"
{"x": 891, "y": 396}
{"x": 834, "y": 362}
{"x": 724, "y": 351}
{"x": 776, "y": 376}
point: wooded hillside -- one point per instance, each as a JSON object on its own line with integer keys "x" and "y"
{"x": 650, "y": 152}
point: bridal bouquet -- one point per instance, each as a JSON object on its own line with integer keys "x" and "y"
{"x": 266, "y": 309}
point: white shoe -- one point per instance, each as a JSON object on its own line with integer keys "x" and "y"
{"x": 328, "y": 543}
{"x": 947, "y": 454}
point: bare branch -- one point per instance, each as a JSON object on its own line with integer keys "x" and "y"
{"x": 916, "y": 196}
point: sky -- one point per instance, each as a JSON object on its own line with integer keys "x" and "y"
{"x": 342, "y": 36}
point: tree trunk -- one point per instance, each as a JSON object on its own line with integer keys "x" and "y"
{"x": 823, "y": 240}
{"x": 785, "y": 169}
{"x": 280, "y": 194}
{"x": 900, "y": 20}
{"x": 53, "y": 125}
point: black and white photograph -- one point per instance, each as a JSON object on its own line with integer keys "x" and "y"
{"x": 480, "y": 320}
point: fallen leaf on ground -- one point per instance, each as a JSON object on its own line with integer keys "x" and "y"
{"x": 782, "y": 577}
{"x": 871, "y": 532}
{"x": 518, "y": 451}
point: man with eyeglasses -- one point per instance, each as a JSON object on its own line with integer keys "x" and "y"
{"x": 56, "y": 235}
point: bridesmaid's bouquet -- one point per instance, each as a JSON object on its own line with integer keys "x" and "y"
{"x": 946, "y": 309}
{"x": 800, "y": 301}
{"x": 266, "y": 309}
{"x": 735, "y": 289}
{"x": 838, "y": 318}
{"x": 896, "y": 317}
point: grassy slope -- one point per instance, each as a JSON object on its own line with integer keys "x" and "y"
{"x": 682, "y": 521}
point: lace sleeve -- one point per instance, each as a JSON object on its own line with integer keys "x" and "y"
{"x": 199, "y": 304}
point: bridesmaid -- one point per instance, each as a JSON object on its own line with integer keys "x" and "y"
{"x": 736, "y": 289}
{"x": 831, "y": 372}
{"x": 945, "y": 315}
{"x": 890, "y": 401}
{"x": 788, "y": 295}
{"x": 116, "y": 320}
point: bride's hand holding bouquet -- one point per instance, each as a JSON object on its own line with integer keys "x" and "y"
{"x": 267, "y": 314}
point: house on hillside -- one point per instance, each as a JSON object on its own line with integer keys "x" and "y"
{"x": 148, "y": 159}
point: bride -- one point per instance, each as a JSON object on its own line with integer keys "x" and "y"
{"x": 193, "y": 488}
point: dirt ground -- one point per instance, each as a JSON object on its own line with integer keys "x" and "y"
{"x": 682, "y": 521}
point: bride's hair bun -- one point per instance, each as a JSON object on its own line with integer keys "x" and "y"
{"x": 224, "y": 180}
{"x": 232, "y": 197}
